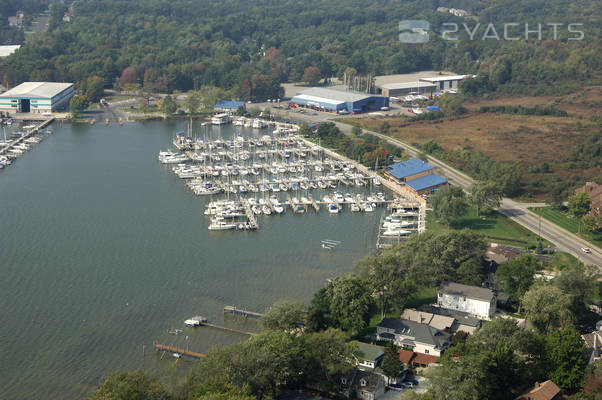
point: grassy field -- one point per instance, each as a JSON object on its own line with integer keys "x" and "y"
{"x": 495, "y": 227}
{"x": 567, "y": 222}
{"x": 540, "y": 144}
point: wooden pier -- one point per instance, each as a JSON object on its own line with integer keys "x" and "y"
{"x": 242, "y": 313}
{"x": 315, "y": 205}
{"x": 252, "y": 220}
{"x": 176, "y": 350}
{"x": 27, "y": 134}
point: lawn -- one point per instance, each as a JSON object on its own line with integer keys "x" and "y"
{"x": 494, "y": 226}
{"x": 567, "y": 222}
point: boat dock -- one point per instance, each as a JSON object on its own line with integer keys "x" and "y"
{"x": 12, "y": 148}
{"x": 178, "y": 351}
{"x": 225, "y": 328}
{"x": 241, "y": 313}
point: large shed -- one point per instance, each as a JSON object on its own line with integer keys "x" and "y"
{"x": 37, "y": 97}
{"x": 328, "y": 99}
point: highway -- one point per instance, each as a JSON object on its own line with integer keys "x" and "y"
{"x": 518, "y": 212}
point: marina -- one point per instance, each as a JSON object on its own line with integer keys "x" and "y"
{"x": 21, "y": 141}
{"x": 127, "y": 261}
{"x": 248, "y": 177}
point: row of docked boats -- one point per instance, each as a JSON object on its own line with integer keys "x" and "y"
{"x": 17, "y": 145}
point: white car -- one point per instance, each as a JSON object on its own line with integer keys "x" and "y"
{"x": 586, "y": 250}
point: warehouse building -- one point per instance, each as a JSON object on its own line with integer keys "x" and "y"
{"x": 424, "y": 82}
{"x": 417, "y": 175}
{"x": 37, "y": 97}
{"x": 336, "y": 100}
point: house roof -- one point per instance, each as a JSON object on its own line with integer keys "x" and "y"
{"x": 471, "y": 292}
{"x": 463, "y": 318}
{"x": 334, "y": 95}
{"x": 368, "y": 352}
{"x": 229, "y": 104}
{"x": 445, "y": 78}
{"x": 409, "y": 167}
{"x": 426, "y": 182}
{"x": 547, "y": 390}
{"x": 37, "y": 89}
{"x": 436, "y": 321}
{"x": 417, "y": 332}
{"x": 405, "y": 356}
{"x": 424, "y": 359}
{"x": 372, "y": 382}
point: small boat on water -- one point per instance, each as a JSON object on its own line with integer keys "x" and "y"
{"x": 220, "y": 225}
{"x": 195, "y": 321}
{"x": 355, "y": 207}
{"x": 334, "y": 208}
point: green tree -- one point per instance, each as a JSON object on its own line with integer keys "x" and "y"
{"x": 392, "y": 365}
{"x": 283, "y": 315}
{"x": 193, "y": 102}
{"x": 449, "y": 203}
{"x": 304, "y": 130}
{"x": 564, "y": 351}
{"x": 485, "y": 195}
{"x": 590, "y": 223}
{"x": 344, "y": 303}
{"x": 580, "y": 284}
{"x": 515, "y": 277}
{"x": 579, "y": 205}
{"x": 547, "y": 307}
{"x": 131, "y": 386}
{"x": 311, "y": 75}
{"x": 169, "y": 105}
{"x": 94, "y": 89}
{"x": 78, "y": 104}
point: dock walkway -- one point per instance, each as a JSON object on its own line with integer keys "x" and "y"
{"x": 176, "y": 350}
{"x": 243, "y": 313}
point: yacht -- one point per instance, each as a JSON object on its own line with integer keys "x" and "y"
{"x": 334, "y": 208}
{"x": 256, "y": 209}
{"x": 258, "y": 124}
{"x": 279, "y": 209}
{"x": 220, "y": 225}
{"x": 395, "y": 231}
{"x": 266, "y": 210}
{"x": 368, "y": 207}
{"x": 221, "y": 119}
{"x": 239, "y": 121}
{"x": 355, "y": 207}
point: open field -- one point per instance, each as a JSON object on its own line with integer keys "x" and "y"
{"x": 542, "y": 145}
{"x": 567, "y": 222}
{"x": 496, "y": 228}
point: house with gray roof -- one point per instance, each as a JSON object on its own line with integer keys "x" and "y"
{"x": 364, "y": 385}
{"x": 415, "y": 336}
{"x": 475, "y": 300}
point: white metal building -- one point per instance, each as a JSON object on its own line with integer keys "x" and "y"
{"x": 445, "y": 82}
{"x": 37, "y": 97}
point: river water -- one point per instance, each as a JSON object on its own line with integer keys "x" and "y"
{"x": 103, "y": 249}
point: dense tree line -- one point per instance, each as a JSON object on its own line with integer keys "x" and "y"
{"x": 252, "y": 48}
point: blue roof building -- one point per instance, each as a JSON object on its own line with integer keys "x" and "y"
{"x": 328, "y": 99}
{"x": 427, "y": 183}
{"x": 228, "y": 105}
{"x": 410, "y": 169}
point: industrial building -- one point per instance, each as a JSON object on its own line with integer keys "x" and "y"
{"x": 6, "y": 51}
{"x": 416, "y": 174}
{"x": 37, "y": 97}
{"x": 336, "y": 100}
{"x": 424, "y": 82}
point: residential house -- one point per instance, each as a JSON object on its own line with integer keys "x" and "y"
{"x": 228, "y": 106}
{"x": 475, "y": 300}
{"x": 364, "y": 385}
{"x": 463, "y": 321}
{"x": 593, "y": 341}
{"x": 17, "y": 20}
{"x": 547, "y": 390}
{"x": 459, "y": 12}
{"x": 442, "y": 9}
{"x": 416, "y": 360}
{"x": 415, "y": 336}
{"x": 595, "y": 196}
{"x": 368, "y": 356}
{"x": 441, "y": 322}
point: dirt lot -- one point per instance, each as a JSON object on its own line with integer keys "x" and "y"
{"x": 528, "y": 140}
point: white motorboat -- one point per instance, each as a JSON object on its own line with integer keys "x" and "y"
{"x": 220, "y": 119}
{"x": 333, "y": 208}
{"x": 266, "y": 210}
{"x": 368, "y": 207}
{"x": 256, "y": 210}
{"x": 220, "y": 225}
{"x": 279, "y": 209}
{"x": 355, "y": 207}
{"x": 258, "y": 124}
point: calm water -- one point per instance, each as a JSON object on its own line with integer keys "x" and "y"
{"x": 103, "y": 249}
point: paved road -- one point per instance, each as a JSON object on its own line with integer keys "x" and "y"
{"x": 518, "y": 212}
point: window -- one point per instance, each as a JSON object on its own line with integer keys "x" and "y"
{"x": 363, "y": 382}
{"x": 426, "y": 351}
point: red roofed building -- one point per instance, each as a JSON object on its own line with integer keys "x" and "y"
{"x": 405, "y": 356}
{"x": 423, "y": 360}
